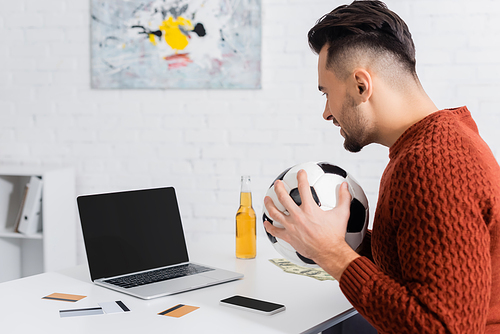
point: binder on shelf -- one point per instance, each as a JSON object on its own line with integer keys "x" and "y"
{"x": 21, "y": 207}
{"x": 30, "y": 219}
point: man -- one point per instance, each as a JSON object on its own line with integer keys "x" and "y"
{"x": 432, "y": 261}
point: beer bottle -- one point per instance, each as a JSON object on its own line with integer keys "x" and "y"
{"x": 245, "y": 223}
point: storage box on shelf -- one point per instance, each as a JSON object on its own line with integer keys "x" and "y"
{"x": 54, "y": 247}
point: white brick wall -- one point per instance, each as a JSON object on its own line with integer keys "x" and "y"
{"x": 201, "y": 141}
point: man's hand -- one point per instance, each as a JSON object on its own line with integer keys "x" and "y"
{"x": 314, "y": 233}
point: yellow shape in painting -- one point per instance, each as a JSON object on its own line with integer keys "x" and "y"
{"x": 173, "y": 34}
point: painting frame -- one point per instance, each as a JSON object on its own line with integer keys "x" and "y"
{"x": 176, "y": 44}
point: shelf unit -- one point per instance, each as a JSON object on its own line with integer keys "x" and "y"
{"x": 53, "y": 248}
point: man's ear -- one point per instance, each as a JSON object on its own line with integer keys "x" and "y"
{"x": 363, "y": 84}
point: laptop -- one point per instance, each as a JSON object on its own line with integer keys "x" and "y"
{"x": 135, "y": 244}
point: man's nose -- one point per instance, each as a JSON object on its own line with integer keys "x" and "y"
{"x": 326, "y": 114}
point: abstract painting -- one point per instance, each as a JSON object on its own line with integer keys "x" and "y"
{"x": 203, "y": 44}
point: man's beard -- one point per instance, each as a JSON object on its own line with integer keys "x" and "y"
{"x": 352, "y": 145}
{"x": 356, "y": 139}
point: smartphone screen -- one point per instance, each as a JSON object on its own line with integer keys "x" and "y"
{"x": 251, "y": 304}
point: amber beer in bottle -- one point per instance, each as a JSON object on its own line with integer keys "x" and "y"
{"x": 245, "y": 223}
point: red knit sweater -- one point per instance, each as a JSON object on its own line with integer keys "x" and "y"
{"x": 435, "y": 242}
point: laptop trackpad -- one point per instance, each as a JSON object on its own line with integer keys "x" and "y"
{"x": 196, "y": 280}
{"x": 220, "y": 275}
{"x": 175, "y": 285}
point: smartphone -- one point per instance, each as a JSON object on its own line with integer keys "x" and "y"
{"x": 254, "y": 305}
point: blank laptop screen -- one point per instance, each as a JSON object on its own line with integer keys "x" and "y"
{"x": 131, "y": 231}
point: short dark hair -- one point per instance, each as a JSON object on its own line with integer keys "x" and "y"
{"x": 364, "y": 24}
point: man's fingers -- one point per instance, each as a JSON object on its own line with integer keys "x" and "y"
{"x": 273, "y": 230}
{"x": 304, "y": 187}
{"x": 283, "y": 196}
{"x": 273, "y": 211}
{"x": 344, "y": 200}
{"x": 276, "y": 232}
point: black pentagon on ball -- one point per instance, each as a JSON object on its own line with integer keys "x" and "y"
{"x": 332, "y": 169}
{"x": 295, "y": 195}
{"x": 305, "y": 259}
{"x": 357, "y": 217}
{"x": 269, "y": 235}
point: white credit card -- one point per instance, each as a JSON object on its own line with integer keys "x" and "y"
{"x": 103, "y": 308}
{"x": 80, "y": 312}
{"x": 114, "y": 307}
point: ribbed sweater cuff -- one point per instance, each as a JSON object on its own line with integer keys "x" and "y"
{"x": 356, "y": 276}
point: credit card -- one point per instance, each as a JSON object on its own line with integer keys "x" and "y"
{"x": 81, "y": 312}
{"x": 64, "y": 297}
{"x": 178, "y": 310}
{"x": 114, "y": 307}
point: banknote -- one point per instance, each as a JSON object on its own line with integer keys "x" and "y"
{"x": 289, "y": 267}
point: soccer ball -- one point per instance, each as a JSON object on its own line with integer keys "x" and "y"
{"x": 325, "y": 180}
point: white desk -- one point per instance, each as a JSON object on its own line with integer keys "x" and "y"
{"x": 311, "y": 305}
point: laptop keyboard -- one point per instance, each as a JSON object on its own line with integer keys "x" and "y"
{"x": 159, "y": 275}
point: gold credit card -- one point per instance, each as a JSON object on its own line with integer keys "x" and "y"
{"x": 64, "y": 297}
{"x": 179, "y": 310}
